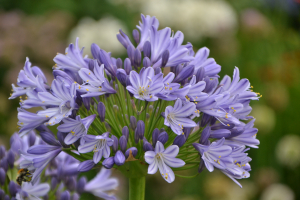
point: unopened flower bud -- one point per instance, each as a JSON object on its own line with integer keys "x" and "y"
{"x": 155, "y": 134}
{"x": 133, "y": 122}
{"x": 87, "y": 102}
{"x": 10, "y": 159}
{"x": 184, "y": 74}
{"x": 147, "y": 146}
{"x": 187, "y": 132}
{"x": 130, "y": 52}
{"x": 147, "y": 49}
{"x": 179, "y": 140}
{"x": 109, "y": 162}
{"x": 13, "y": 188}
{"x": 86, "y": 166}
{"x": 49, "y": 138}
{"x": 2, "y": 176}
{"x": 146, "y": 62}
{"x": 137, "y": 58}
{"x": 147, "y": 116}
{"x": 119, "y": 158}
{"x": 136, "y": 36}
{"x": 101, "y": 111}
{"x": 127, "y": 66}
{"x": 136, "y": 136}
{"x": 204, "y": 136}
{"x": 163, "y": 137}
{"x": 122, "y": 76}
{"x": 133, "y": 151}
{"x": 115, "y": 144}
{"x": 54, "y": 183}
{"x": 80, "y": 184}
{"x": 157, "y": 70}
{"x": 165, "y": 58}
{"x": 2, "y": 151}
{"x": 71, "y": 184}
{"x": 31, "y": 138}
{"x": 123, "y": 143}
{"x": 119, "y": 63}
{"x": 140, "y": 129}
{"x": 125, "y": 132}
{"x": 4, "y": 164}
{"x": 65, "y": 195}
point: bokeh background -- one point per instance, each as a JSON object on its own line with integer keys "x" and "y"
{"x": 261, "y": 37}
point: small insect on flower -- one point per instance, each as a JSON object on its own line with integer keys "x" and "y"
{"x": 24, "y": 175}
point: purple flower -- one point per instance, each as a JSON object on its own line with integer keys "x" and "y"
{"x": 32, "y": 191}
{"x": 73, "y": 60}
{"x": 163, "y": 159}
{"x": 177, "y": 117}
{"x": 100, "y": 145}
{"x": 146, "y": 85}
{"x": 102, "y": 184}
{"x": 29, "y": 121}
{"x": 144, "y": 27}
{"x": 77, "y": 128}
{"x": 95, "y": 83}
{"x": 172, "y": 91}
{"x": 209, "y": 65}
{"x": 215, "y": 155}
{"x": 38, "y": 160}
{"x": 29, "y": 79}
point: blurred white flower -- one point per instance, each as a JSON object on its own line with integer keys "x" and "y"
{"x": 278, "y": 192}
{"x": 288, "y": 151}
{"x": 102, "y": 32}
{"x": 201, "y": 18}
{"x": 265, "y": 118}
{"x": 196, "y": 18}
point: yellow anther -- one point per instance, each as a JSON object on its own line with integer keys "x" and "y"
{"x": 238, "y": 164}
{"x": 166, "y": 174}
{"x": 234, "y": 111}
{"x": 232, "y": 108}
{"x": 251, "y": 86}
{"x": 89, "y": 73}
{"x": 150, "y": 96}
{"x": 75, "y": 82}
{"x": 87, "y": 89}
{"x": 251, "y": 90}
{"x": 228, "y": 125}
{"x": 219, "y": 162}
{"x": 167, "y": 83}
{"x": 260, "y": 96}
{"x": 170, "y": 88}
{"x": 79, "y": 87}
{"x": 87, "y": 80}
{"x": 165, "y": 88}
{"x": 219, "y": 156}
{"x": 148, "y": 86}
{"x": 47, "y": 116}
{"x": 43, "y": 101}
{"x": 196, "y": 97}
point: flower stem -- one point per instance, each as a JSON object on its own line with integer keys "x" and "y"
{"x": 137, "y": 188}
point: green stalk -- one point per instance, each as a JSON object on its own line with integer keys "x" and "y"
{"x": 137, "y": 188}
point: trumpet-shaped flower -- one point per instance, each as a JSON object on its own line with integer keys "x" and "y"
{"x": 102, "y": 184}
{"x": 100, "y": 145}
{"x": 177, "y": 117}
{"x": 77, "y": 128}
{"x": 145, "y": 85}
{"x": 32, "y": 192}
{"x": 95, "y": 82}
{"x": 73, "y": 59}
{"x": 163, "y": 159}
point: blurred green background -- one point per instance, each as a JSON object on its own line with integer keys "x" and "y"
{"x": 260, "y": 37}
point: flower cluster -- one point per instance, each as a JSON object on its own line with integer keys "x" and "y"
{"x": 60, "y": 180}
{"x": 161, "y": 107}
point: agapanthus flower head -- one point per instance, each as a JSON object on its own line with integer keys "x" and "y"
{"x": 130, "y": 114}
